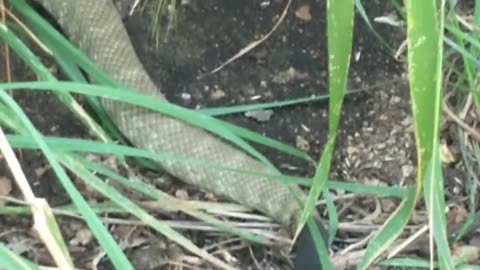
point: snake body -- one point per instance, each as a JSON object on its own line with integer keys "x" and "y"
{"x": 96, "y": 28}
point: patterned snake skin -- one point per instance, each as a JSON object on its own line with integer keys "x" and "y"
{"x": 96, "y": 28}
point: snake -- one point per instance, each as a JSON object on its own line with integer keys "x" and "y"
{"x": 96, "y": 28}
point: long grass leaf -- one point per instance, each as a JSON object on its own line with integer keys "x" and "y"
{"x": 36, "y": 65}
{"x": 389, "y": 231}
{"x": 340, "y": 20}
{"x": 99, "y": 231}
{"x": 425, "y": 43}
{"x": 12, "y": 261}
{"x": 124, "y": 95}
{"x": 137, "y": 211}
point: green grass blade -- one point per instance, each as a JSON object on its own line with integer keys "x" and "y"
{"x": 135, "y": 210}
{"x": 88, "y": 146}
{"x": 76, "y": 56}
{"x": 124, "y": 95}
{"x": 270, "y": 105}
{"x": 320, "y": 247}
{"x": 471, "y": 185}
{"x": 11, "y": 261}
{"x": 425, "y": 43}
{"x": 396, "y": 192}
{"x": 340, "y": 19}
{"x": 67, "y": 49}
{"x": 468, "y": 267}
{"x": 425, "y": 85}
{"x": 36, "y": 65}
{"x": 435, "y": 204}
{"x": 332, "y": 216}
{"x": 392, "y": 228}
{"x": 423, "y": 52}
{"x": 467, "y": 55}
{"x": 8, "y": 119}
{"x": 75, "y": 74}
{"x": 99, "y": 231}
{"x": 363, "y": 14}
{"x": 406, "y": 263}
{"x": 174, "y": 203}
{"x": 263, "y": 140}
{"x": 80, "y": 145}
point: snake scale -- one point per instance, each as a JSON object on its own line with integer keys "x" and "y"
{"x": 97, "y": 29}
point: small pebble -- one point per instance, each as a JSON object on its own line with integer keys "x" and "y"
{"x": 260, "y": 116}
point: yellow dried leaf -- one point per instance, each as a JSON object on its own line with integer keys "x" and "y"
{"x": 446, "y": 155}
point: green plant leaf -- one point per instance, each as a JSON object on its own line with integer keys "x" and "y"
{"x": 99, "y": 231}
{"x": 340, "y": 20}
{"x": 389, "y": 231}
{"x": 425, "y": 56}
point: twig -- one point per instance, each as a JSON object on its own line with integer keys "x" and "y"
{"x": 252, "y": 45}
{"x": 474, "y": 133}
{"x": 29, "y": 32}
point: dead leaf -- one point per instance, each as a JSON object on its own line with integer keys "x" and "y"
{"x": 390, "y": 19}
{"x": 446, "y": 155}
{"x": 82, "y": 237}
{"x": 288, "y": 75}
{"x": 5, "y": 186}
{"x": 303, "y": 13}
{"x": 302, "y": 143}
{"x": 466, "y": 254}
{"x": 217, "y": 94}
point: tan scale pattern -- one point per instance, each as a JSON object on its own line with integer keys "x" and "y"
{"x": 95, "y": 27}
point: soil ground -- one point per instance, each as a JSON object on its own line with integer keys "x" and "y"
{"x": 375, "y": 144}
